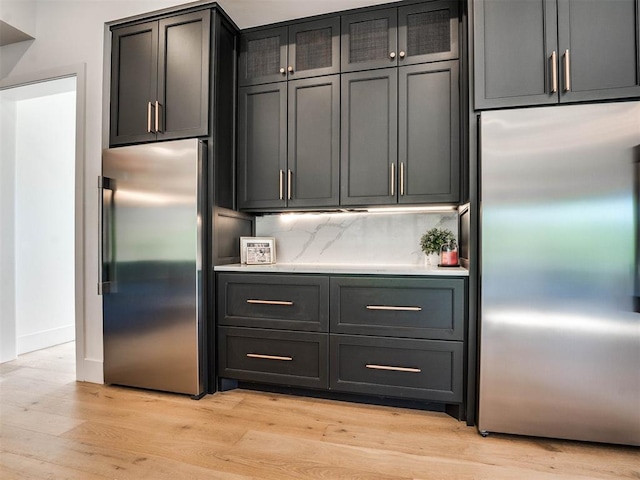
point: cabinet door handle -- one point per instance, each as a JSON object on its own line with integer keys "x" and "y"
{"x": 554, "y": 72}
{"x": 392, "y": 55}
{"x": 393, "y": 308}
{"x": 289, "y": 184}
{"x": 158, "y": 116}
{"x": 402, "y": 178}
{"x": 269, "y": 357}
{"x": 567, "y": 71}
{"x": 269, "y": 302}
{"x": 149, "y": 117}
{"x": 402, "y": 54}
{"x": 283, "y": 71}
{"x": 393, "y": 369}
{"x": 393, "y": 178}
{"x": 290, "y": 69}
{"x": 281, "y": 182}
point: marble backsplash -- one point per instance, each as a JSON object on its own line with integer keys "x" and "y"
{"x": 352, "y": 238}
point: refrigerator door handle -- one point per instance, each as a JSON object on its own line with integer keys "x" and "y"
{"x": 106, "y": 186}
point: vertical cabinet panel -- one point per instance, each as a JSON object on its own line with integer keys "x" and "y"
{"x": 314, "y": 142}
{"x": 262, "y": 146}
{"x": 514, "y": 42}
{"x": 369, "y": 40}
{"x": 429, "y": 151}
{"x": 263, "y": 57}
{"x": 601, "y": 38}
{"x": 183, "y": 81}
{"x": 369, "y": 137}
{"x": 134, "y": 69}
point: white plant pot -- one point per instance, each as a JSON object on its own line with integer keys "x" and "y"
{"x": 432, "y": 260}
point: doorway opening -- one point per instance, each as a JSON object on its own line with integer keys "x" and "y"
{"x": 38, "y": 241}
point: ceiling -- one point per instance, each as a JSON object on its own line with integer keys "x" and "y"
{"x": 251, "y": 13}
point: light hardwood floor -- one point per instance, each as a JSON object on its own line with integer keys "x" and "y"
{"x": 53, "y": 428}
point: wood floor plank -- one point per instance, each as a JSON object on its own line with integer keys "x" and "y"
{"x": 20, "y": 467}
{"x": 54, "y": 427}
{"x": 104, "y": 461}
{"x": 37, "y": 421}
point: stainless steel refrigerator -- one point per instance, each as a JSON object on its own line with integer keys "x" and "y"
{"x": 560, "y": 326}
{"x": 151, "y": 242}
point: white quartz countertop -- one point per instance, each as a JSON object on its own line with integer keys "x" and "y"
{"x": 417, "y": 270}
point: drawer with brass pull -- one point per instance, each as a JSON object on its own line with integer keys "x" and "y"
{"x": 288, "y": 302}
{"x": 398, "y": 307}
{"x": 403, "y": 368}
{"x": 273, "y": 356}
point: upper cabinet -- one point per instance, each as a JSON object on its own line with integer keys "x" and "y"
{"x": 419, "y": 33}
{"x": 534, "y": 52}
{"x": 288, "y": 144}
{"x": 160, "y": 79}
{"x": 401, "y": 135}
{"x": 302, "y": 50}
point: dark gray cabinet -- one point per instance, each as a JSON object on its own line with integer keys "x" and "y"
{"x": 400, "y": 135}
{"x": 369, "y": 137}
{"x": 288, "y": 146}
{"x": 402, "y": 368}
{"x": 399, "y": 337}
{"x": 427, "y": 308}
{"x": 273, "y": 356}
{"x": 160, "y": 79}
{"x": 305, "y": 49}
{"x": 419, "y": 33}
{"x": 534, "y": 52}
{"x": 598, "y": 49}
{"x": 262, "y": 145}
{"x": 286, "y": 302}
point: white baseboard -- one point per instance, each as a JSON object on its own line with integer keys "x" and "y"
{"x": 90, "y": 371}
{"x": 45, "y": 339}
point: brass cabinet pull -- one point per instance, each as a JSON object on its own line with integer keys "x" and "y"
{"x": 289, "y": 185}
{"x": 270, "y": 302}
{"x": 157, "y": 116}
{"x": 281, "y": 182}
{"x": 269, "y": 357}
{"x": 393, "y": 369}
{"x": 402, "y": 178}
{"x": 149, "y": 117}
{"x": 394, "y": 309}
{"x": 393, "y": 178}
{"x": 567, "y": 71}
{"x": 554, "y": 73}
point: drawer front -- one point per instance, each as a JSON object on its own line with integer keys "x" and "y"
{"x": 285, "y": 302}
{"x": 415, "y": 369}
{"x": 272, "y": 356}
{"x": 398, "y": 307}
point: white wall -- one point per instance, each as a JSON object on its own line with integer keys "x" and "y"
{"x": 71, "y": 32}
{"x": 44, "y": 219}
{"x": 20, "y": 14}
{"x": 7, "y": 263}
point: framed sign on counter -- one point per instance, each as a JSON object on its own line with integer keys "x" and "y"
{"x": 257, "y": 250}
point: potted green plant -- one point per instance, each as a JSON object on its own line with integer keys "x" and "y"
{"x": 432, "y": 242}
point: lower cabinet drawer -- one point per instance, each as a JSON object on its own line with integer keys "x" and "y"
{"x": 404, "y": 368}
{"x": 273, "y": 356}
